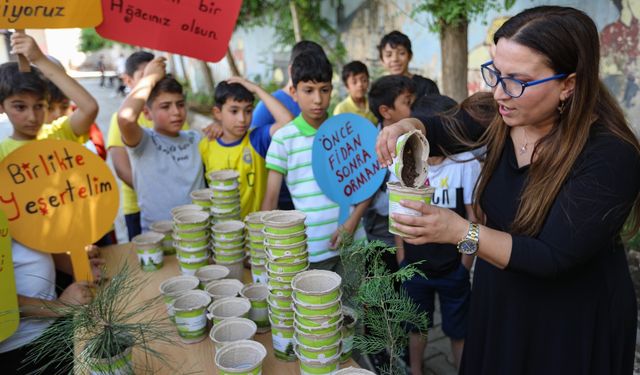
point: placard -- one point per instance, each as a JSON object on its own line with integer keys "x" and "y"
{"x": 344, "y": 161}
{"x": 9, "y": 313}
{"x": 196, "y": 28}
{"x": 58, "y": 197}
{"x": 49, "y": 14}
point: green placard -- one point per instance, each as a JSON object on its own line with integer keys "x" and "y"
{"x": 9, "y": 314}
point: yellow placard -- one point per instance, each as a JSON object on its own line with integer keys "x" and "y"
{"x": 49, "y": 14}
{"x": 58, "y": 197}
{"x": 9, "y": 314}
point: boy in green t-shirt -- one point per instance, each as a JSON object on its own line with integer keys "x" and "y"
{"x": 355, "y": 77}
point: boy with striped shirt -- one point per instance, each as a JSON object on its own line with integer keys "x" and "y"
{"x": 289, "y": 159}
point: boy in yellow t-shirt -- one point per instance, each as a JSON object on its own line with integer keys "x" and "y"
{"x": 239, "y": 148}
{"x": 355, "y": 76}
{"x": 24, "y": 99}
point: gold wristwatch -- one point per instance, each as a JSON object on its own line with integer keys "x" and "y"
{"x": 469, "y": 244}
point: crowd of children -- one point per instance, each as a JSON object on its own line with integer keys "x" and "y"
{"x": 160, "y": 161}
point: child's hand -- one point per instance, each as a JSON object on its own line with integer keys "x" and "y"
{"x": 156, "y": 69}
{"x": 247, "y": 84}
{"x": 25, "y": 45}
{"x": 95, "y": 261}
{"x": 76, "y": 294}
{"x": 343, "y": 234}
{"x": 213, "y": 131}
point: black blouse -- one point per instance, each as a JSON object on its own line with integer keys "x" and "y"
{"x": 565, "y": 303}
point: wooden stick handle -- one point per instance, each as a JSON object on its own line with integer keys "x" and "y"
{"x": 23, "y": 63}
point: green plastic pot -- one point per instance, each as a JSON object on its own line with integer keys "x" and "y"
{"x": 398, "y": 193}
{"x": 211, "y": 273}
{"x": 284, "y": 222}
{"x": 257, "y": 295}
{"x": 288, "y": 267}
{"x": 150, "y": 260}
{"x": 323, "y": 330}
{"x": 281, "y": 312}
{"x": 321, "y": 310}
{"x": 348, "y": 332}
{"x": 258, "y": 273}
{"x": 194, "y": 253}
{"x": 225, "y": 179}
{"x": 242, "y": 357}
{"x": 279, "y": 301}
{"x": 175, "y": 286}
{"x": 289, "y": 259}
{"x": 229, "y": 257}
{"x": 118, "y": 364}
{"x": 282, "y": 338}
{"x": 187, "y": 235}
{"x": 191, "y": 221}
{"x": 318, "y": 353}
{"x": 287, "y": 250}
{"x": 317, "y": 287}
{"x": 190, "y": 315}
{"x": 318, "y": 367}
{"x": 317, "y": 341}
{"x": 190, "y": 266}
{"x": 228, "y": 307}
{"x": 318, "y": 321}
{"x": 219, "y": 289}
{"x": 287, "y": 239}
{"x": 275, "y": 230}
{"x": 202, "y": 203}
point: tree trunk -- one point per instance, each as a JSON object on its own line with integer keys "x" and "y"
{"x": 232, "y": 63}
{"x": 454, "y": 50}
{"x": 294, "y": 21}
{"x": 209, "y": 83}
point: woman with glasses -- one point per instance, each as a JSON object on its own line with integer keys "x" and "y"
{"x": 552, "y": 292}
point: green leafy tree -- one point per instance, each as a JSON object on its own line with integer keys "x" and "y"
{"x": 90, "y": 41}
{"x": 450, "y": 18}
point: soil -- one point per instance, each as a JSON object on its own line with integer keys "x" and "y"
{"x": 409, "y": 173}
{"x": 348, "y": 319}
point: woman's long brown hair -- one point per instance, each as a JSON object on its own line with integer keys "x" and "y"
{"x": 568, "y": 38}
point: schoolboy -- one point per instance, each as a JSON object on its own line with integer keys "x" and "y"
{"x": 239, "y": 148}
{"x": 262, "y": 116}
{"x": 390, "y": 100}
{"x": 165, "y": 161}
{"x": 355, "y": 77}
{"x": 446, "y": 270}
{"x": 395, "y": 54}
{"x": 289, "y": 159}
{"x": 24, "y": 98}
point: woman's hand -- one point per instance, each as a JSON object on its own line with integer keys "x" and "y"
{"x": 388, "y": 137}
{"x": 436, "y": 225}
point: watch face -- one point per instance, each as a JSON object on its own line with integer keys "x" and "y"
{"x": 468, "y": 247}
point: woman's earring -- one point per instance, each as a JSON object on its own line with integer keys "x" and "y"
{"x": 561, "y": 106}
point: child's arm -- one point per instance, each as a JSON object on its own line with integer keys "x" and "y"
{"x": 87, "y": 110}
{"x": 400, "y": 248}
{"x": 280, "y": 113}
{"x": 77, "y": 293}
{"x": 274, "y": 182}
{"x": 350, "y": 225}
{"x": 121, "y": 164}
{"x": 134, "y": 103}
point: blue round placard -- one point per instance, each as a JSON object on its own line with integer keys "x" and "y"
{"x": 344, "y": 161}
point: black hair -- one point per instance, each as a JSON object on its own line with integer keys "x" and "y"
{"x": 353, "y": 68}
{"x": 431, "y": 105}
{"x": 166, "y": 85}
{"x": 309, "y": 67}
{"x": 234, "y": 91}
{"x": 55, "y": 94}
{"x": 386, "y": 89}
{"x": 394, "y": 39}
{"x": 133, "y": 62}
{"x": 14, "y": 82}
{"x": 306, "y": 46}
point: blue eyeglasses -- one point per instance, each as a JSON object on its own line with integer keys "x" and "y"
{"x": 511, "y": 86}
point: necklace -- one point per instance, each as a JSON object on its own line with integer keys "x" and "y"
{"x": 523, "y": 147}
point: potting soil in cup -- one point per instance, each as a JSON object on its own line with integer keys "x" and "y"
{"x": 166, "y": 228}
{"x": 240, "y": 358}
{"x": 190, "y": 315}
{"x": 174, "y": 287}
{"x": 148, "y": 246}
{"x": 410, "y": 164}
{"x": 398, "y": 193}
